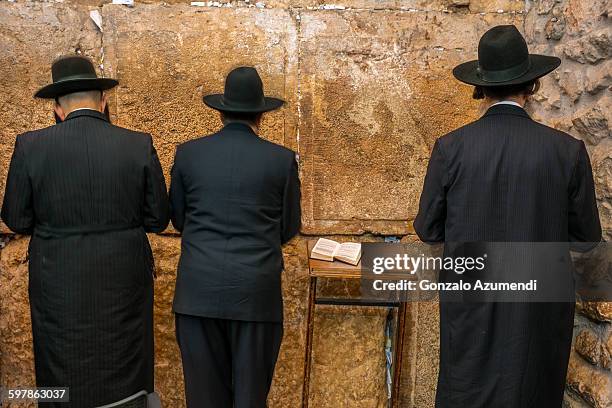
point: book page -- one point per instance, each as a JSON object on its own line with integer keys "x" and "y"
{"x": 349, "y": 252}
{"x": 325, "y": 249}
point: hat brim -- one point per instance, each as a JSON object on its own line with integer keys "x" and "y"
{"x": 540, "y": 66}
{"x": 216, "y": 101}
{"x": 61, "y": 88}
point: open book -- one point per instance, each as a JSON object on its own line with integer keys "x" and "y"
{"x": 328, "y": 250}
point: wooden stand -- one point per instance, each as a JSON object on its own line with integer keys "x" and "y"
{"x": 339, "y": 270}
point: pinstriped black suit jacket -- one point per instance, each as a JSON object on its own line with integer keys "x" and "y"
{"x": 506, "y": 178}
{"x": 87, "y": 191}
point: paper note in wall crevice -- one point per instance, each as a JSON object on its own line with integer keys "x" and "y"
{"x": 330, "y": 250}
{"x": 96, "y": 17}
{"x": 129, "y": 3}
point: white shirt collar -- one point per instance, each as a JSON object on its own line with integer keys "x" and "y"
{"x": 507, "y": 103}
{"x": 78, "y": 109}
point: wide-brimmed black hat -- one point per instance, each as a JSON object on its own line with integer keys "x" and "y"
{"x": 503, "y": 59}
{"x": 74, "y": 73}
{"x": 243, "y": 94}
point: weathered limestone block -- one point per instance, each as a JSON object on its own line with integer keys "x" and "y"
{"x": 608, "y": 350}
{"x": 497, "y": 6}
{"x": 593, "y": 122}
{"x": 571, "y": 400}
{"x": 427, "y": 354}
{"x": 601, "y": 160}
{"x": 591, "y": 384}
{"x": 583, "y": 16}
{"x": 556, "y": 25}
{"x": 351, "y": 374}
{"x": 166, "y": 58}
{"x": 591, "y": 345}
{"x": 16, "y": 357}
{"x": 168, "y": 368}
{"x": 421, "y": 350}
{"x": 32, "y": 35}
{"x": 571, "y": 81}
{"x": 549, "y": 96}
{"x": 376, "y": 91}
{"x": 597, "y": 311}
{"x": 599, "y": 77}
{"x": 287, "y": 384}
{"x": 588, "y": 346}
{"x": 591, "y": 48}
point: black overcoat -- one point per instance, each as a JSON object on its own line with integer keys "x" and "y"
{"x": 506, "y": 178}
{"x": 87, "y": 191}
{"x": 236, "y": 199}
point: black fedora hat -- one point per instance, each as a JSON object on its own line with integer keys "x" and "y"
{"x": 243, "y": 94}
{"x": 503, "y": 59}
{"x": 73, "y": 73}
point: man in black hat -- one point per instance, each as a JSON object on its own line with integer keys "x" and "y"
{"x": 506, "y": 178}
{"x": 87, "y": 191}
{"x": 236, "y": 199}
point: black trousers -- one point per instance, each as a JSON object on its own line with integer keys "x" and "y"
{"x": 227, "y": 363}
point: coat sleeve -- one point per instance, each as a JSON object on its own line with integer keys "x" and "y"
{"x": 17, "y": 208}
{"x": 177, "y": 195}
{"x": 584, "y": 225}
{"x": 156, "y": 208}
{"x": 291, "y": 217}
{"x": 430, "y": 220}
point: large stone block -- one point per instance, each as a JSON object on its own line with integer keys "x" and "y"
{"x": 168, "y": 367}
{"x": 601, "y": 160}
{"x": 584, "y": 16}
{"x": 32, "y": 35}
{"x": 351, "y": 373}
{"x": 376, "y": 90}
{"x": 571, "y": 400}
{"x": 597, "y": 311}
{"x": 590, "y": 48}
{"x": 591, "y": 384}
{"x": 591, "y": 345}
{"x": 167, "y": 57}
{"x": 16, "y": 357}
{"x": 427, "y": 354}
{"x": 593, "y": 122}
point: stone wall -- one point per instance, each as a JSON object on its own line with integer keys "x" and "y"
{"x": 369, "y": 89}
{"x": 576, "y": 99}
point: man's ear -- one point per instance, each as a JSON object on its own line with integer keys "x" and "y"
{"x": 536, "y": 87}
{"x": 103, "y": 102}
{"x": 59, "y": 111}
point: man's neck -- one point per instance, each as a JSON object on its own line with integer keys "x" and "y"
{"x": 513, "y": 103}
{"x": 244, "y": 122}
{"x": 82, "y": 108}
{"x": 506, "y": 101}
